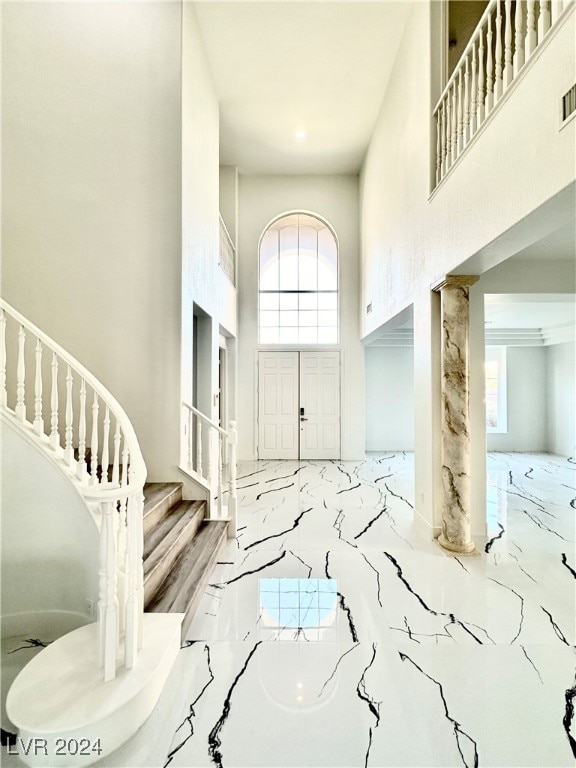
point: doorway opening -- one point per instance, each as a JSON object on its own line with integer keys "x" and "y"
{"x": 299, "y": 405}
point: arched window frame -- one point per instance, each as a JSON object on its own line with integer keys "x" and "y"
{"x": 282, "y": 340}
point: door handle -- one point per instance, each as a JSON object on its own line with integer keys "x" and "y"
{"x": 303, "y": 419}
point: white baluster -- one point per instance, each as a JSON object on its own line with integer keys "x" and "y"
{"x": 125, "y": 462}
{"x": 454, "y": 133}
{"x": 438, "y": 145}
{"x": 481, "y": 80}
{"x": 474, "y": 94}
{"x": 460, "y": 138}
{"x": 4, "y": 393}
{"x": 190, "y": 440}
{"x": 232, "y": 497}
{"x": 82, "y": 432}
{"x": 94, "y": 442}
{"x": 107, "y": 604}
{"x": 444, "y": 154}
{"x": 54, "y": 434}
{"x": 498, "y": 85}
{"x": 543, "y": 19}
{"x": 467, "y": 134}
{"x": 210, "y": 455}
{"x": 122, "y": 561}
{"x": 489, "y": 70}
{"x": 116, "y": 460}
{"x": 105, "y": 446}
{"x": 199, "y": 446}
{"x": 518, "y": 39}
{"x": 38, "y": 420}
{"x": 448, "y": 131}
{"x": 220, "y": 486}
{"x": 508, "y": 68}
{"x": 530, "y": 41}
{"x": 69, "y": 430}
{"x": 20, "y": 409}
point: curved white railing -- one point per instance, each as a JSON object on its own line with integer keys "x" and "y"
{"x": 84, "y": 429}
{"x": 210, "y": 456}
{"x": 505, "y": 38}
{"x": 227, "y": 253}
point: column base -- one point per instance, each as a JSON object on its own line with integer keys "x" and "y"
{"x": 465, "y": 548}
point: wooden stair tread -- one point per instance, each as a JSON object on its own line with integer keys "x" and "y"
{"x": 165, "y": 535}
{"x": 154, "y": 493}
{"x": 159, "y": 498}
{"x": 191, "y": 571}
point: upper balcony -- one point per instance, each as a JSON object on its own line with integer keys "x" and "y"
{"x": 508, "y": 38}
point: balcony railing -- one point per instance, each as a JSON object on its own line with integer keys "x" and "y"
{"x": 506, "y": 37}
{"x": 227, "y": 253}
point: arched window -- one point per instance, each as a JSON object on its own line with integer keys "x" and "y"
{"x": 298, "y": 282}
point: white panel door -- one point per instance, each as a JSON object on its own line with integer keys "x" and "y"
{"x": 278, "y": 405}
{"x": 319, "y": 405}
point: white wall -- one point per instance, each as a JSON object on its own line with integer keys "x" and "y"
{"x": 334, "y": 198}
{"x": 526, "y": 402}
{"x": 49, "y": 539}
{"x": 389, "y": 375}
{"x": 91, "y": 209}
{"x": 409, "y": 241}
{"x": 561, "y": 399}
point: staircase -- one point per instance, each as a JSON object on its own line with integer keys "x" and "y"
{"x": 180, "y": 550}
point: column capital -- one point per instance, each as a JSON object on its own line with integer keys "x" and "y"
{"x": 455, "y": 281}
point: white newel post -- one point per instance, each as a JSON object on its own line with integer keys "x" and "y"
{"x": 107, "y": 603}
{"x": 233, "y": 499}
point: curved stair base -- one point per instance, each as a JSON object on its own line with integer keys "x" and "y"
{"x": 60, "y": 695}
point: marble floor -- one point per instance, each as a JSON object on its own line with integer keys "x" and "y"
{"x": 334, "y": 633}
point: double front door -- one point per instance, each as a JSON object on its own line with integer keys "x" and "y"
{"x": 299, "y": 405}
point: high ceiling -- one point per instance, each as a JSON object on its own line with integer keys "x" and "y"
{"x": 300, "y": 84}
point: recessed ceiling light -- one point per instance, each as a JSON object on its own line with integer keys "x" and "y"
{"x": 300, "y": 134}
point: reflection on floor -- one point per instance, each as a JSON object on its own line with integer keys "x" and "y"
{"x": 335, "y": 634}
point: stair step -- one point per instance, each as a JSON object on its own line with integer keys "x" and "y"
{"x": 185, "y": 584}
{"x": 158, "y": 499}
{"x": 164, "y": 544}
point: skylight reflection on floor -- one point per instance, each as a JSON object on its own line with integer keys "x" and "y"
{"x": 294, "y": 609}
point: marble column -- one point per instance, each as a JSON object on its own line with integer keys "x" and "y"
{"x": 455, "y": 535}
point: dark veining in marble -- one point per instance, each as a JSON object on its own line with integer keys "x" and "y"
{"x": 249, "y": 573}
{"x": 573, "y": 503}
{"x": 458, "y": 732}
{"x": 285, "y": 477}
{"x": 505, "y": 586}
{"x": 243, "y": 477}
{"x": 373, "y": 706}
{"x": 214, "y": 742}
{"x": 527, "y": 474}
{"x": 8, "y": 739}
{"x": 384, "y": 477}
{"x": 282, "y": 533}
{"x": 343, "y": 606}
{"x": 377, "y": 572}
{"x": 541, "y": 525}
{"x": 250, "y": 485}
{"x": 451, "y": 616}
{"x": 461, "y": 564}
{"x": 569, "y": 697}
{"x": 32, "y": 643}
{"x": 397, "y": 495}
{"x": 510, "y": 478}
{"x": 489, "y": 544}
{"x": 303, "y": 563}
{"x": 525, "y": 572}
{"x": 557, "y": 629}
{"x": 371, "y": 523}
{"x": 191, "y": 712}
{"x": 353, "y": 488}
{"x": 339, "y": 468}
{"x": 356, "y": 645}
{"x": 533, "y": 500}
{"x": 532, "y": 663}
{"x": 565, "y": 562}
{"x": 273, "y": 490}
{"x": 571, "y": 460}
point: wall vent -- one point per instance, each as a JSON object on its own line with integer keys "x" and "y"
{"x": 569, "y": 103}
{"x": 368, "y": 308}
